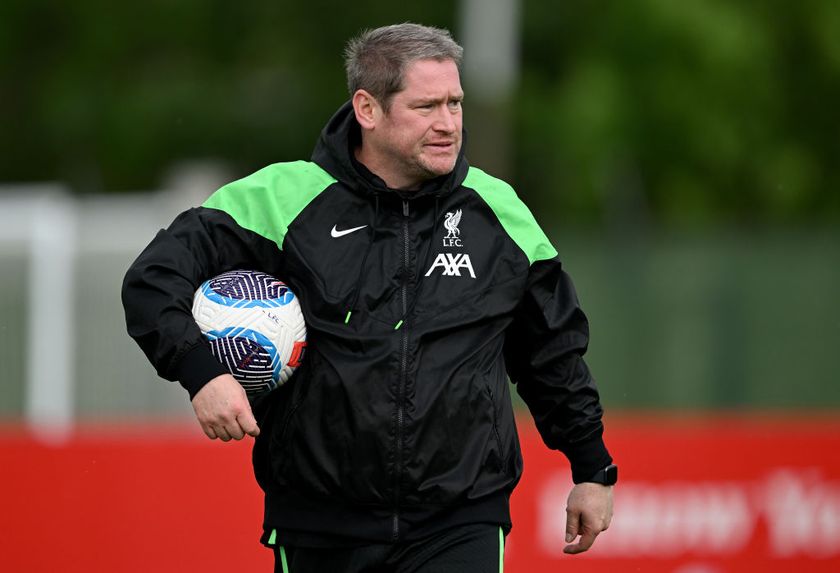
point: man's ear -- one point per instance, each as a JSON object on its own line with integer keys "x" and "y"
{"x": 368, "y": 111}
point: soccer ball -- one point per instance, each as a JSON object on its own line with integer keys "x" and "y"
{"x": 255, "y": 327}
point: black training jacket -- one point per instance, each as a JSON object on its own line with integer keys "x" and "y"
{"x": 399, "y": 421}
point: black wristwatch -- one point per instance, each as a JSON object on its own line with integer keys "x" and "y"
{"x": 607, "y": 476}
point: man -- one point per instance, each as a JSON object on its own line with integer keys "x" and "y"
{"x": 424, "y": 283}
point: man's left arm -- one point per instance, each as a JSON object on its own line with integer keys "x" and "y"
{"x": 544, "y": 355}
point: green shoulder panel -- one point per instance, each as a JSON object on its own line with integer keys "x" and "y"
{"x": 266, "y": 202}
{"x": 516, "y": 219}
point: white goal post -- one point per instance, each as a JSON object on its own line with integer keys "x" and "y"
{"x": 43, "y": 221}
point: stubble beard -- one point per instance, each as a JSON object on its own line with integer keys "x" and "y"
{"x": 431, "y": 167}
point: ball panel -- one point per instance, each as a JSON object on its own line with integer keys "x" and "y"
{"x": 247, "y": 289}
{"x": 250, "y": 363}
{"x": 255, "y": 327}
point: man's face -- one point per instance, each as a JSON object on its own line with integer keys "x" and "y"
{"x": 420, "y": 136}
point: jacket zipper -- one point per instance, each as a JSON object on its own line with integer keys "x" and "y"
{"x": 403, "y": 376}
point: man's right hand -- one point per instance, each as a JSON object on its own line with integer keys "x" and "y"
{"x": 222, "y": 409}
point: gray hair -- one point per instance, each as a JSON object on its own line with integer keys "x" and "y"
{"x": 376, "y": 60}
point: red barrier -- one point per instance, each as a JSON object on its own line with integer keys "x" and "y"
{"x": 701, "y": 495}
{"x": 695, "y": 495}
{"x": 162, "y": 500}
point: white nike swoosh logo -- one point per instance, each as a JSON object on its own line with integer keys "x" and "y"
{"x": 335, "y": 233}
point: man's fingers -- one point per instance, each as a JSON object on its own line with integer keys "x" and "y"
{"x": 222, "y": 409}
{"x": 234, "y": 431}
{"x": 588, "y": 513}
{"x": 587, "y": 538}
{"x": 248, "y": 423}
{"x": 572, "y": 525}
{"x": 222, "y": 433}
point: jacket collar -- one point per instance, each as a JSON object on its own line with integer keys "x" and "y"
{"x": 334, "y": 153}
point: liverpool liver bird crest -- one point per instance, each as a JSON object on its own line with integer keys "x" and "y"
{"x": 451, "y": 224}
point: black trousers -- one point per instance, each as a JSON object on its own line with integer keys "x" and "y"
{"x": 476, "y": 548}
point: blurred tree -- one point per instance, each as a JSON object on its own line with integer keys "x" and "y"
{"x": 682, "y": 113}
{"x": 107, "y": 97}
{"x": 687, "y": 112}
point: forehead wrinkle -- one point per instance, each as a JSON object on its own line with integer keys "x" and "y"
{"x": 428, "y": 94}
{"x": 423, "y": 73}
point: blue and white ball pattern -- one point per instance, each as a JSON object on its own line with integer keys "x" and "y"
{"x": 255, "y": 327}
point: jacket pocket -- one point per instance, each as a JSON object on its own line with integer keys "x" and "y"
{"x": 503, "y": 422}
{"x": 497, "y": 461}
{"x": 282, "y": 431}
{"x": 495, "y": 419}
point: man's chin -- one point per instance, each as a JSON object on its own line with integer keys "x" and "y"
{"x": 437, "y": 168}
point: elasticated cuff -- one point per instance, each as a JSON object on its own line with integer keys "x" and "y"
{"x": 587, "y": 458}
{"x": 197, "y": 367}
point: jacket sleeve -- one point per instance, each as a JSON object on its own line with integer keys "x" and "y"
{"x": 159, "y": 286}
{"x": 544, "y": 355}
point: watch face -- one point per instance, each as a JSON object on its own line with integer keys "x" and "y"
{"x": 607, "y": 476}
{"x": 610, "y": 474}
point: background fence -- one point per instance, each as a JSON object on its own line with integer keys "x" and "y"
{"x": 734, "y": 319}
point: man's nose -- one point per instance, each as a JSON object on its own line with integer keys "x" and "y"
{"x": 445, "y": 120}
